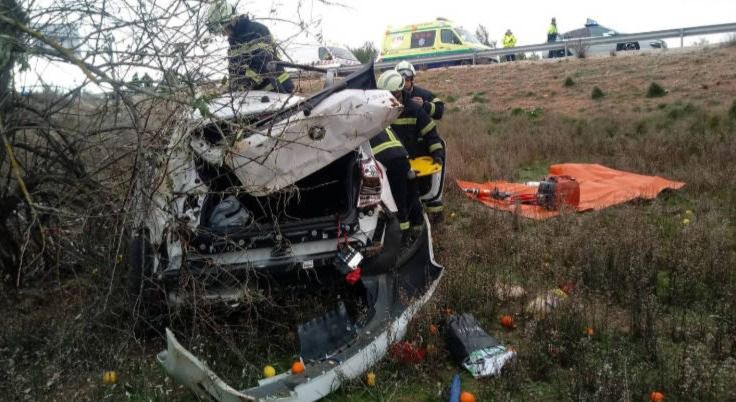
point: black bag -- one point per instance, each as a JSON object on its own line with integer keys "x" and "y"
{"x": 464, "y": 336}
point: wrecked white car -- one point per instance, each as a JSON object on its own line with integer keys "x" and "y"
{"x": 279, "y": 185}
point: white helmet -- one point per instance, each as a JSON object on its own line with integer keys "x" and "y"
{"x": 219, "y": 15}
{"x": 406, "y": 69}
{"x": 391, "y": 81}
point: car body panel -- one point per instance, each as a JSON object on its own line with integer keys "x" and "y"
{"x": 594, "y": 30}
{"x": 397, "y": 299}
{"x": 282, "y": 153}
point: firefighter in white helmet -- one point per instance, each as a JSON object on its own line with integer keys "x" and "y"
{"x": 390, "y": 151}
{"x": 431, "y": 104}
{"x": 435, "y": 108}
{"x": 251, "y": 50}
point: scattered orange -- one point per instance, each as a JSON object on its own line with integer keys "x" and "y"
{"x": 589, "y": 331}
{"x": 109, "y": 377}
{"x": 507, "y": 321}
{"x": 297, "y": 367}
{"x": 433, "y": 329}
{"x": 656, "y": 396}
{"x": 370, "y": 379}
{"x": 467, "y": 397}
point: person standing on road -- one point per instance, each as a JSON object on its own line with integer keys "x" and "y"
{"x": 509, "y": 41}
{"x": 552, "y": 34}
{"x": 552, "y": 31}
{"x": 431, "y": 104}
{"x": 251, "y": 51}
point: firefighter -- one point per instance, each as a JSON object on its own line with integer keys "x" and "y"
{"x": 388, "y": 150}
{"x": 418, "y": 133}
{"x": 251, "y": 51}
{"x": 431, "y": 104}
{"x": 509, "y": 41}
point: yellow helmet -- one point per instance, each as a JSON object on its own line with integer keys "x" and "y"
{"x": 406, "y": 69}
{"x": 391, "y": 81}
{"x": 219, "y": 15}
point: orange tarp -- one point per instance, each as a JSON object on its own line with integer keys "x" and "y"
{"x": 600, "y": 187}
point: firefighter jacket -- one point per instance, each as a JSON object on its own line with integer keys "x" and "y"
{"x": 251, "y": 49}
{"x": 433, "y": 105}
{"x": 386, "y": 146}
{"x": 417, "y": 131}
{"x": 509, "y": 40}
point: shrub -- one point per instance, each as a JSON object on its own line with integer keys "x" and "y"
{"x": 597, "y": 93}
{"x": 655, "y": 91}
{"x": 569, "y": 82}
{"x": 581, "y": 50}
{"x": 732, "y": 111}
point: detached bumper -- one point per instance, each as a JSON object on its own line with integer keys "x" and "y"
{"x": 395, "y": 298}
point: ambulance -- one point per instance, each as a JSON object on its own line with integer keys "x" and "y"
{"x": 440, "y": 37}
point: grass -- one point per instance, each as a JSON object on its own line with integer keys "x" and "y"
{"x": 597, "y": 93}
{"x": 658, "y": 291}
{"x": 655, "y": 91}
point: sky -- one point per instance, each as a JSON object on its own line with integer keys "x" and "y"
{"x": 354, "y": 22}
{"x": 359, "y": 21}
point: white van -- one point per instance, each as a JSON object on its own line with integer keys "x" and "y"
{"x": 326, "y": 56}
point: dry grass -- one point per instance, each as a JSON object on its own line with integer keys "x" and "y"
{"x": 659, "y": 293}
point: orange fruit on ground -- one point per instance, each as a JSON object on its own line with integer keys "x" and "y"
{"x": 109, "y": 377}
{"x": 589, "y": 331}
{"x": 433, "y": 329}
{"x": 507, "y": 321}
{"x": 656, "y": 396}
{"x": 370, "y": 379}
{"x": 467, "y": 397}
{"x": 297, "y": 367}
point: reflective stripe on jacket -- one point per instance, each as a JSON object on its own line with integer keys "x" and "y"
{"x": 386, "y": 146}
{"x": 433, "y": 105}
{"x": 417, "y": 131}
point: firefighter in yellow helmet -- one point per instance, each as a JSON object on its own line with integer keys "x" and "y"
{"x": 251, "y": 51}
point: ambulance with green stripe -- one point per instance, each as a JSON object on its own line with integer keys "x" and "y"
{"x": 430, "y": 39}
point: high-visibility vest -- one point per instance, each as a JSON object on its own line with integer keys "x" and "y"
{"x": 509, "y": 41}
{"x": 552, "y": 29}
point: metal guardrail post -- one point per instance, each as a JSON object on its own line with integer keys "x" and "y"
{"x": 682, "y": 38}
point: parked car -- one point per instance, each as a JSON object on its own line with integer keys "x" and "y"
{"x": 594, "y": 30}
{"x": 435, "y": 38}
{"x": 260, "y": 186}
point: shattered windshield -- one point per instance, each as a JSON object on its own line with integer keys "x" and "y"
{"x": 467, "y": 36}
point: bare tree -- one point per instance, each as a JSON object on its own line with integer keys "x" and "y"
{"x": 482, "y": 34}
